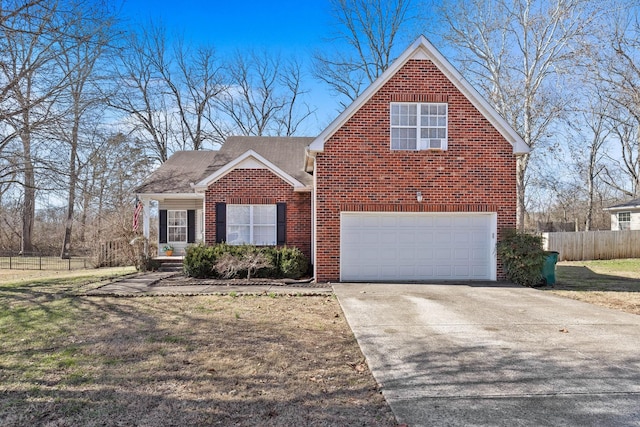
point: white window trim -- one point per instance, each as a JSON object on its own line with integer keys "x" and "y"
{"x": 419, "y": 126}
{"x": 252, "y": 225}
{"x": 169, "y": 226}
{"x": 627, "y": 222}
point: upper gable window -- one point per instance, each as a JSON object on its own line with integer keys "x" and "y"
{"x": 419, "y": 126}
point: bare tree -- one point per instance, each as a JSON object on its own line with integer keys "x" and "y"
{"x": 263, "y": 95}
{"x": 83, "y": 104}
{"x": 615, "y": 63}
{"x": 112, "y": 169}
{"x": 197, "y": 83}
{"x": 29, "y": 45}
{"x": 587, "y": 142}
{"x": 623, "y": 173}
{"x": 370, "y": 29}
{"x": 516, "y": 52}
{"x": 33, "y": 22}
{"x": 167, "y": 92}
{"x": 139, "y": 92}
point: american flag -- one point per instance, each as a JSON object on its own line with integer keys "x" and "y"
{"x": 136, "y": 213}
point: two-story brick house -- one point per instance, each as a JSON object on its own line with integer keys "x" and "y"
{"x": 413, "y": 181}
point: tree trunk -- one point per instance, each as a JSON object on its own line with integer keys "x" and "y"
{"x": 71, "y": 199}
{"x": 85, "y": 210}
{"x": 29, "y": 206}
{"x": 590, "y": 188}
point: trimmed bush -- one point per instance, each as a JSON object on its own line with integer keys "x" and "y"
{"x": 231, "y": 261}
{"x": 293, "y": 264}
{"x": 199, "y": 261}
{"x": 522, "y": 257}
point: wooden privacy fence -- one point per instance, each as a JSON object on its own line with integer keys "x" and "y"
{"x": 587, "y": 245}
{"x": 115, "y": 253}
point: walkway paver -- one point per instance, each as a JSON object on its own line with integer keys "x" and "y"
{"x": 158, "y": 283}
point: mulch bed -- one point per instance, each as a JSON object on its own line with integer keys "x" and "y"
{"x": 180, "y": 279}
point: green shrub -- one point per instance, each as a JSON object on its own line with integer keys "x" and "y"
{"x": 522, "y": 257}
{"x": 229, "y": 261}
{"x": 199, "y": 261}
{"x": 293, "y": 264}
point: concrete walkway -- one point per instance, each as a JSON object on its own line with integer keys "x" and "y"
{"x": 454, "y": 355}
{"x": 158, "y": 283}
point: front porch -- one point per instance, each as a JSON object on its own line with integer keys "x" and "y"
{"x": 180, "y": 223}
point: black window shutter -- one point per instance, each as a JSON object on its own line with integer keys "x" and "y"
{"x": 221, "y": 222}
{"x": 162, "y": 232}
{"x": 282, "y": 224}
{"x": 191, "y": 226}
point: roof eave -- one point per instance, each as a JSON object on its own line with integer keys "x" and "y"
{"x": 305, "y": 189}
{"x": 621, "y": 208}
{"x": 202, "y": 185}
{"x": 163, "y": 196}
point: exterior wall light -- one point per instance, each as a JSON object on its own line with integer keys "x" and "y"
{"x": 419, "y": 196}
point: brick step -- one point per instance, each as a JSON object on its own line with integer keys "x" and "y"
{"x": 170, "y": 264}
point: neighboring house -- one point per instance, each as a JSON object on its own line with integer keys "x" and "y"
{"x": 625, "y": 216}
{"x": 415, "y": 180}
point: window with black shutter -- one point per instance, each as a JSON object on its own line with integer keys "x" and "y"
{"x": 191, "y": 226}
{"x": 162, "y": 228}
{"x": 221, "y": 222}
{"x": 282, "y": 224}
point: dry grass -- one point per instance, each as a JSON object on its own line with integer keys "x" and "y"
{"x": 68, "y": 359}
{"x": 8, "y": 276}
{"x": 612, "y": 283}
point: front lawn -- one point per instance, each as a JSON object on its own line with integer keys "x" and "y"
{"x": 611, "y": 283}
{"x": 68, "y": 359}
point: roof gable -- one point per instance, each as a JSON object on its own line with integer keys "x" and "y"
{"x": 252, "y": 160}
{"x": 423, "y": 49}
{"x": 286, "y": 153}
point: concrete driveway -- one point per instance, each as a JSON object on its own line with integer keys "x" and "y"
{"x": 465, "y": 355}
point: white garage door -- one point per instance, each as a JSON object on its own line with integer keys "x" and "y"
{"x": 392, "y": 246}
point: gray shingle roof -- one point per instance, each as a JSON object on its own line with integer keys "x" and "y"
{"x": 628, "y": 204}
{"x": 178, "y": 172}
{"x": 186, "y": 167}
{"x": 287, "y": 153}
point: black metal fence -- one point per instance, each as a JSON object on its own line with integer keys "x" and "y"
{"x": 41, "y": 262}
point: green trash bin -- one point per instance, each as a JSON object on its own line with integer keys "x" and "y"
{"x": 549, "y": 268}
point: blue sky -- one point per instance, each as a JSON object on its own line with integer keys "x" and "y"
{"x": 292, "y": 26}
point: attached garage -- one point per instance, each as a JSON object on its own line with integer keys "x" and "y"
{"x": 400, "y": 246}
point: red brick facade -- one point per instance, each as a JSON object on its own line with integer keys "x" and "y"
{"x": 261, "y": 186}
{"x": 358, "y": 171}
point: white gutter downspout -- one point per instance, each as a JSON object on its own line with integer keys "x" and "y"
{"x": 313, "y": 218}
